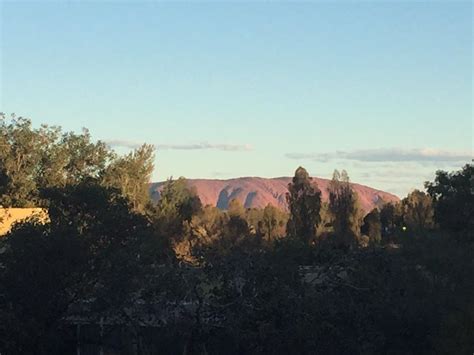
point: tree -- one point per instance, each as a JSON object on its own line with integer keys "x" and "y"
{"x": 418, "y": 211}
{"x": 19, "y": 155}
{"x": 53, "y": 158}
{"x": 40, "y": 280}
{"x": 453, "y": 197}
{"x": 205, "y": 235}
{"x": 372, "y": 226}
{"x": 237, "y": 221}
{"x": 344, "y": 210}
{"x": 272, "y": 225}
{"x": 85, "y": 158}
{"x": 131, "y": 174}
{"x": 178, "y": 203}
{"x": 254, "y": 216}
{"x": 33, "y": 159}
{"x": 236, "y": 209}
{"x": 304, "y": 202}
{"x": 391, "y": 218}
{"x": 236, "y": 230}
{"x": 208, "y": 223}
{"x": 4, "y": 182}
{"x": 89, "y": 251}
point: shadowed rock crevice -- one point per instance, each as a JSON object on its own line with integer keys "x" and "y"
{"x": 223, "y": 200}
{"x": 227, "y": 195}
{"x": 249, "y": 199}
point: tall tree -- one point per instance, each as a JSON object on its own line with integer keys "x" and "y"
{"x": 453, "y": 195}
{"x": 53, "y": 158}
{"x": 85, "y": 158}
{"x": 418, "y": 213}
{"x": 19, "y": 155}
{"x": 304, "y": 202}
{"x": 32, "y": 159}
{"x": 344, "y": 210}
{"x": 391, "y": 218}
{"x": 131, "y": 174}
{"x": 178, "y": 203}
{"x": 271, "y": 227}
{"x": 236, "y": 227}
{"x": 372, "y": 226}
{"x": 236, "y": 209}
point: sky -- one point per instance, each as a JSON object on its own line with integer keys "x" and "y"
{"x": 382, "y": 89}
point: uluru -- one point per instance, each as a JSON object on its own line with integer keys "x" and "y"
{"x": 257, "y": 192}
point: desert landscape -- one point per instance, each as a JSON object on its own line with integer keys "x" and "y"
{"x": 236, "y": 177}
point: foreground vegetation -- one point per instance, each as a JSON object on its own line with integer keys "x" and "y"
{"x": 112, "y": 272}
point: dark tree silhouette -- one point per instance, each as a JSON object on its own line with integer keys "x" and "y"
{"x": 304, "y": 202}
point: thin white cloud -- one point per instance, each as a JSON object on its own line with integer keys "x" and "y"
{"x": 122, "y": 143}
{"x": 202, "y": 146}
{"x": 388, "y": 155}
{"x": 196, "y": 146}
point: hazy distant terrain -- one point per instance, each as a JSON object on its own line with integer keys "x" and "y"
{"x": 256, "y": 192}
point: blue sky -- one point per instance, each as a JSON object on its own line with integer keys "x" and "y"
{"x": 382, "y": 89}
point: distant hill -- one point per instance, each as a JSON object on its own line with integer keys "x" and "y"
{"x": 255, "y": 192}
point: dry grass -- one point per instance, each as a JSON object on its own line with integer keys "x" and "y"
{"x": 10, "y": 216}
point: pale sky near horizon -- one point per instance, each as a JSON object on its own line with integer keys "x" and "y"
{"x": 382, "y": 88}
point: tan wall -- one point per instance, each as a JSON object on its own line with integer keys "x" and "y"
{"x": 9, "y": 216}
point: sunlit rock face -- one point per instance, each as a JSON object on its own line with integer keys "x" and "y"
{"x": 255, "y": 192}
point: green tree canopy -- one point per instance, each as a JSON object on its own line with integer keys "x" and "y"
{"x": 236, "y": 209}
{"x": 33, "y": 159}
{"x": 418, "y": 213}
{"x": 453, "y": 195}
{"x": 344, "y": 210}
{"x": 304, "y": 202}
{"x": 391, "y": 218}
{"x": 178, "y": 203}
{"x": 131, "y": 174}
{"x": 272, "y": 225}
{"x": 20, "y": 152}
{"x": 37, "y": 158}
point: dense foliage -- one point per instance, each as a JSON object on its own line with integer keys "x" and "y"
{"x": 33, "y": 159}
{"x": 454, "y": 192}
{"x": 110, "y": 272}
{"x": 304, "y": 203}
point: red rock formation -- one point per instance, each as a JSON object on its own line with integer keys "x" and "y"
{"x": 258, "y": 192}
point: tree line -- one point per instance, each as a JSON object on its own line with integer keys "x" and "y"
{"x": 113, "y": 272}
{"x": 36, "y": 159}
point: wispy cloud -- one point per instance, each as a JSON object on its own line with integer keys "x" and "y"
{"x": 201, "y": 146}
{"x": 122, "y": 143}
{"x": 387, "y": 155}
{"x": 195, "y": 146}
